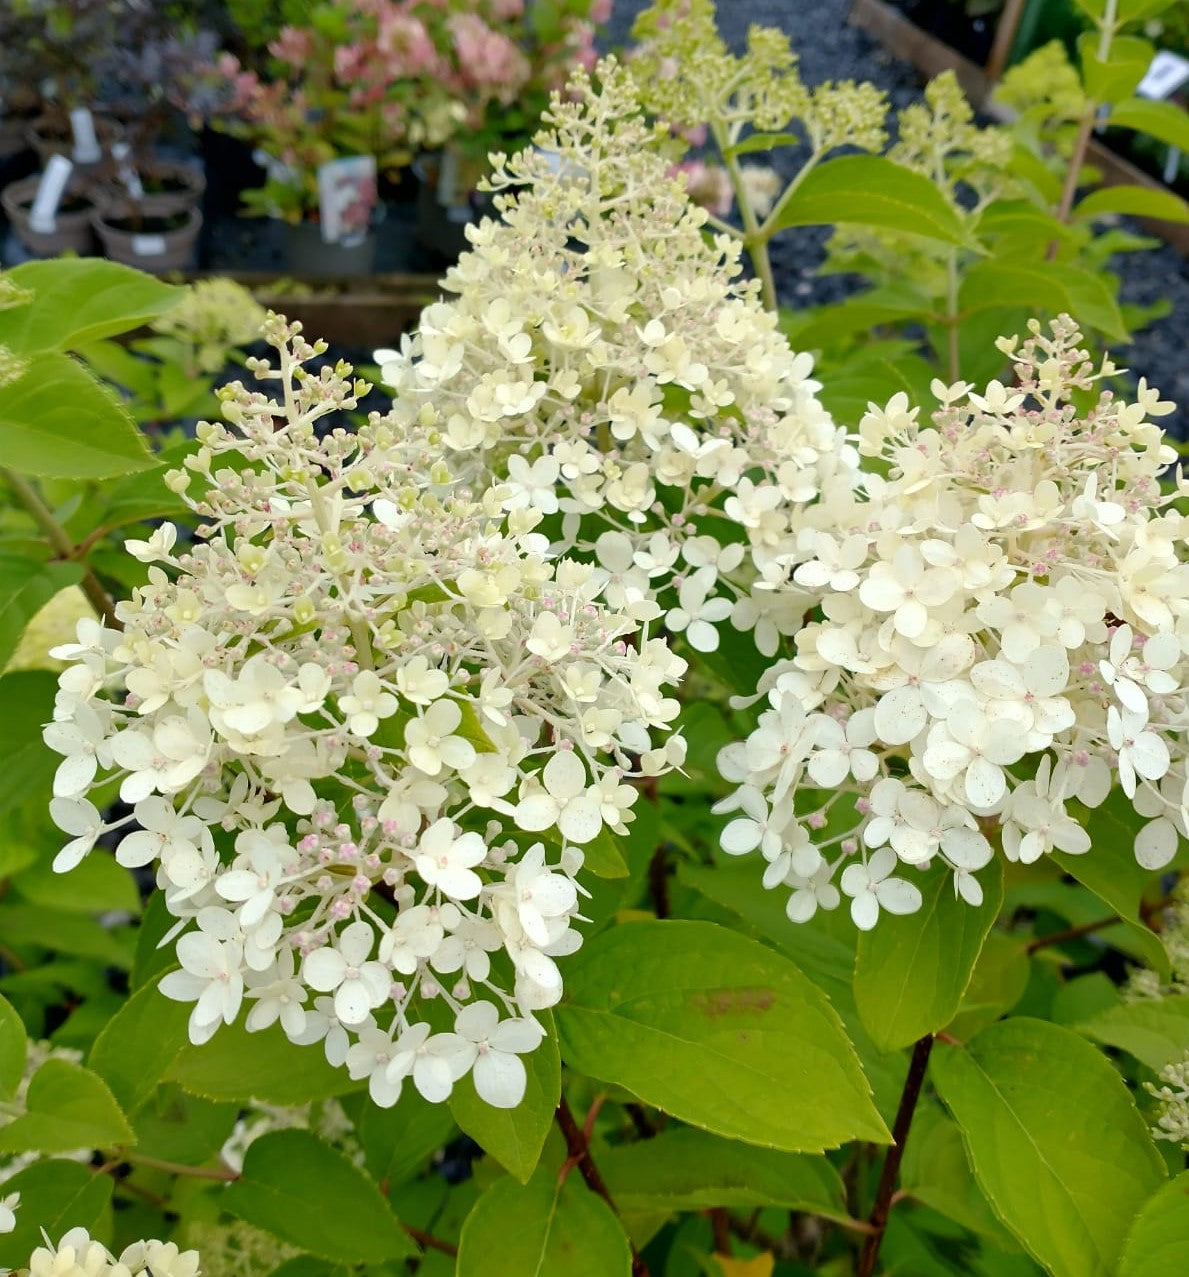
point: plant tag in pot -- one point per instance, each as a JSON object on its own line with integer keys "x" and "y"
{"x": 122, "y": 154}
{"x": 86, "y": 144}
{"x": 43, "y": 216}
{"x": 346, "y": 198}
{"x": 1167, "y": 73}
{"x": 148, "y": 245}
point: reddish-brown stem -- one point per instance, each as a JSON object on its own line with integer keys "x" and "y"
{"x": 658, "y": 882}
{"x": 428, "y": 1242}
{"x": 1071, "y": 933}
{"x": 1146, "y": 913}
{"x": 222, "y": 1173}
{"x": 891, "y": 1168}
{"x": 578, "y": 1148}
{"x": 720, "y": 1222}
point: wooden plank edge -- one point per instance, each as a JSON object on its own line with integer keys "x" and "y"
{"x": 909, "y": 43}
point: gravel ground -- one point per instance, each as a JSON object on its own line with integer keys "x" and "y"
{"x": 829, "y": 49}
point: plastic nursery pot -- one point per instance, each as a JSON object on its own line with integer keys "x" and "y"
{"x": 72, "y": 226}
{"x": 168, "y": 189}
{"x": 13, "y": 131}
{"x": 307, "y": 253}
{"x": 151, "y": 242}
{"x": 50, "y": 135}
{"x": 447, "y": 202}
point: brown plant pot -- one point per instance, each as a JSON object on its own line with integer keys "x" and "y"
{"x": 149, "y": 242}
{"x": 444, "y": 211}
{"x": 169, "y": 189}
{"x": 13, "y": 139}
{"x": 50, "y": 135}
{"x": 307, "y": 253}
{"x": 72, "y": 232}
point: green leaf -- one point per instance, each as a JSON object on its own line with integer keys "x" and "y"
{"x": 311, "y": 1266}
{"x": 138, "y": 1045}
{"x": 139, "y": 497}
{"x": 59, "y": 422}
{"x": 26, "y": 586}
{"x": 398, "y": 1141}
{"x": 26, "y": 766}
{"x": 238, "y": 1065}
{"x": 935, "y": 1172}
{"x": 68, "y": 1107}
{"x": 1110, "y": 870}
{"x": 603, "y": 857}
{"x": 122, "y": 367}
{"x": 1155, "y": 1032}
{"x": 300, "y": 1189}
{"x": 911, "y": 972}
{"x": 827, "y": 959}
{"x": 153, "y": 958}
{"x": 1158, "y": 1244}
{"x": 14, "y": 1045}
{"x": 77, "y": 300}
{"x": 1018, "y": 227}
{"x": 1055, "y": 1141}
{"x": 543, "y": 1229}
{"x": 56, "y": 931}
{"x": 515, "y": 1137}
{"x": 56, "y": 1195}
{"x": 1117, "y": 77}
{"x": 710, "y": 1026}
{"x": 762, "y": 142}
{"x": 830, "y": 324}
{"x": 874, "y": 375}
{"x": 180, "y": 1127}
{"x": 997, "y": 983}
{"x": 1125, "y": 10}
{"x": 683, "y": 1169}
{"x": 1165, "y": 121}
{"x": 867, "y": 190}
{"x": 1059, "y": 287}
{"x": 1135, "y": 201}
{"x": 97, "y": 885}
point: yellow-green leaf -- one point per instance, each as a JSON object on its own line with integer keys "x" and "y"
{"x": 868, "y": 190}
{"x": 57, "y": 421}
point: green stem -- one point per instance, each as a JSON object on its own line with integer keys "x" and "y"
{"x": 224, "y": 1174}
{"x": 951, "y": 318}
{"x": 63, "y": 546}
{"x": 1106, "y": 34}
{"x": 755, "y": 235}
{"x": 769, "y": 226}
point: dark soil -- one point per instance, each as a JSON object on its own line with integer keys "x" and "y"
{"x": 153, "y": 225}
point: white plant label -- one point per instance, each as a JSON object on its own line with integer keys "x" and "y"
{"x": 148, "y": 245}
{"x": 86, "y": 144}
{"x": 346, "y": 198}
{"x": 1167, "y": 73}
{"x": 43, "y": 216}
{"x": 122, "y": 154}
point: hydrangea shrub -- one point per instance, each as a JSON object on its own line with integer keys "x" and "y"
{"x": 406, "y": 785}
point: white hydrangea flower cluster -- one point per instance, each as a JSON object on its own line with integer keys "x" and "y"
{"x": 1172, "y": 1103}
{"x": 603, "y": 362}
{"x": 79, "y": 1255}
{"x": 365, "y": 729}
{"x": 1003, "y": 629}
